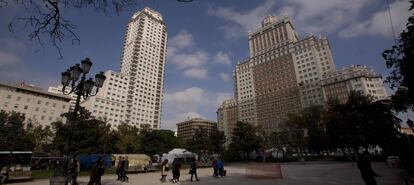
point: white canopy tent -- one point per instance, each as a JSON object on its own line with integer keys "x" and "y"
{"x": 178, "y": 153}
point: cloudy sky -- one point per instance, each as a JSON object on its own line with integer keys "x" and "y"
{"x": 206, "y": 40}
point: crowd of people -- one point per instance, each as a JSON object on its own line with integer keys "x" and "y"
{"x": 217, "y": 165}
{"x": 121, "y": 169}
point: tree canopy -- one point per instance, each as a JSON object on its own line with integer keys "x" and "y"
{"x": 400, "y": 59}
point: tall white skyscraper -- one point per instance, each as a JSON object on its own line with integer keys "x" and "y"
{"x": 134, "y": 95}
{"x": 143, "y": 60}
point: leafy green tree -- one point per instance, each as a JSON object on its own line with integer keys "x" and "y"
{"x": 41, "y": 136}
{"x": 217, "y": 140}
{"x": 158, "y": 141}
{"x": 245, "y": 138}
{"x": 400, "y": 59}
{"x": 360, "y": 122}
{"x": 293, "y": 131}
{"x": 88, "y": 135}
{"x": 128, "y": 139}
{"x": 306, "y": 130}
{"x": 13, "y": 134}
{"x": 200, "y": 141}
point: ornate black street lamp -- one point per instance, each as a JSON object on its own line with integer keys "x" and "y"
{"x": 84, "y": 87}
{"x": 75, "y": 79}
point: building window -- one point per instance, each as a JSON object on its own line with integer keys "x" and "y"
{"x": 25, "y": 107}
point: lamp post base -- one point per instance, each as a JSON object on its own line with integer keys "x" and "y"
{"x": 59, "y": 180}
{"x": 60, "y": 175}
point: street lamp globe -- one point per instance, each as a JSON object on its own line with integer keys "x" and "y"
{"x": 65, "y": 78}
{"x": 89, "y": 86}
{"x": 77, "y": 71}
{"x": 86, "y": 65}
{"x": 99, "y": 79}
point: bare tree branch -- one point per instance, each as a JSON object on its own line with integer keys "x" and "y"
{"x": 45, "y": 17}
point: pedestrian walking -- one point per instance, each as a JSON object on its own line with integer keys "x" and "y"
{"x": 176, "y": 165}
{"x": 220, "y": 167}
{"x": 214, "y": 165}
{"x": 164, "y": 170}
{"x": 101, "y": 171}
{"x": 193, "y": 171}
{"x": 94, "y": 178}
{"x": 125, "y": 170}
{"x": 118, "y": 168}
{"x": 122, "y": 170}
{"x": 367, "y": 174}
{"x": 74, "y": 170}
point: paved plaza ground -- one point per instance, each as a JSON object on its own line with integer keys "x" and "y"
{"x": 314, "y": 173}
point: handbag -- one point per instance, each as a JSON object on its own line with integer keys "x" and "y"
{"x": 190, "y": 172}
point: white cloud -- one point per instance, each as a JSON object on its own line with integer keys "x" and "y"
{"x": 379, "y": 23}
{"x": 324, "y": 16}
{"x": 182, "y": 40}
{"x": 344, "y": 18}
{"x": 186, "y": 57}
{"x": 241, "y": 21}
{"x": 221, "y": 97}
{"x": 222, "y": 58}
{"x": 190, "y": 102}
{"x": 224, "y": 76}
{"x": 186, "y": 100}
{"x": 187, "y": 60}
{"x": 196, "y": 73}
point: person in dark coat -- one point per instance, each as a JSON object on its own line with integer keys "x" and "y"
{"x": 126, "y": 167}
{"x": 118, "y": 168}
{"x": 176, "y": 166}
{"x": 101, "y": 170}
{"x": 214, "y": 164}
{"x": 74, "y": 170}
{"x": 93, "y": 179}
{"x": 193, "y": 171}
{"x": 367, "y": 174}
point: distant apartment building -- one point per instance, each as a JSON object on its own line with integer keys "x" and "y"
{"x": 406, "y": 131}
{"x": 33, "y": 102}
{"x": 227, "y": 117}
{"x": 338, "y": 84}
{"x": 58, "y": 90}
{"x": 282, "y": 75}
{"x": 110, "y": 102}
{"x": 186, "y": 129}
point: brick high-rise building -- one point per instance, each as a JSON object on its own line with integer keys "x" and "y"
{"x": 282, "y": 75}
